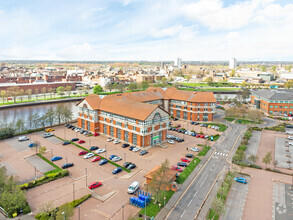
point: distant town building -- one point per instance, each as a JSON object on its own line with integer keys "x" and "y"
{"x": 273, "y": 101}
{"x": 177, "y": 62}
{"x": 232, "y": 63}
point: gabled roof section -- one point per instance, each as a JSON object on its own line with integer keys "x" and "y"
{"x": 190, "y": 96}
{"x": 93, "y": 100}
{"x": 270, "y": 94}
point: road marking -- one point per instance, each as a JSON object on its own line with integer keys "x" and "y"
{"x": 189, "y": 202}
{"x": 102, "y": 213}
{"x": 182, "y": 213}
{"x": 194, "y": 194}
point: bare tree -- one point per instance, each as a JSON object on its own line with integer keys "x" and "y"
{"x": 267, "y": 159}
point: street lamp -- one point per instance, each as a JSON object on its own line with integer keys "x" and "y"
{"x": 85, "y": 176}
{"x": 73, "y": 191}
{"x": 63, "y": 213}
{"x": 78, "y": 212}
{"x": 122, "y": 212}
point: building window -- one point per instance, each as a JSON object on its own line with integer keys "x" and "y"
{"x": 205, "y": 117}
{"x": 82, "y": 123}
{"x": 133, "y": 128}
{"x": 281, "y": 106}
{"x": 105, "y": 129}
{"x": 118, "y": 133}
{"x": 88, "y": 126}
{"x": 126, "y": 137}
{"x": 271, "y": 112}
{"x": 271, "y": 106}
{"x": 285, "y": 106}
{"x": 178, "y": 113}
{"x": 185, "y": 115}
{"x": 276, "y": 106}
{"x": 134, "y": 139}
{"x": 112, "y": 131}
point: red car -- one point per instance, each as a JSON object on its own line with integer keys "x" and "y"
{"x": 96, "y": 134}
{"x": 82, "y": 152}
{"x": 176, "y": 168}
{"x": 95, "y": 185}
{"x": 202, "y": 136}
{"x": 96, "y": 159}
{"x": 81, "y": 142}
{"x": 185, "y": 160}
{"x": 198, "y": 135}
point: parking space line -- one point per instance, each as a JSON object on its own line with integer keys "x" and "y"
{"x": 102, "y": 213}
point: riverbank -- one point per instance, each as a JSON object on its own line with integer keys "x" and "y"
{"x": 41, "y": 102}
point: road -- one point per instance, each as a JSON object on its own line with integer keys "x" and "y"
{"x": 190, "y": 203}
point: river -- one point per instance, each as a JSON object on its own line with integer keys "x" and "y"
{"x": 11, "y": 115}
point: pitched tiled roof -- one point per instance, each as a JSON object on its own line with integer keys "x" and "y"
{"x": 272, "y": 94}
{"x": 168, "y": 177}
{"x": 190, "y": 96}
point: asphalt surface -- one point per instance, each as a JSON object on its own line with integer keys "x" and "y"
{"x": 192, "y": 199}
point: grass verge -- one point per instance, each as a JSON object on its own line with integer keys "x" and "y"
{"x": 57, "y": 169}
{"x": 153, "y": 209}
{"x": 229, "y": 119}
{"x": 188, "y": 170}
{"x": 204, "y": 151}
{"x": 222, "y": 127}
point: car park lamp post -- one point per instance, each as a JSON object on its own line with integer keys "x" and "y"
{"x": 63, "y": 213}
{"x": 73, "y": 191}
{"x": 122, "y": 212}
{"x": 85, "y": 176}
{"x": 78, "y": 212}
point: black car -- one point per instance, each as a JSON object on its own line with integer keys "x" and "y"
{"x": 66, "y": 165}
{"x": 143, "y": 152}
{"x": 289, "y": 126}
{"x": 126, "y": 164}
{"x": 73, "y": 127}
{"x": 131, "y": 148}
{"x": 83, "y": 131}
{"x": 66, "y": 142}
{"x": 94, "y": 148}
{"x": 180, "y": 140}
{"x": 66, "y": 125}
{"x": 131, "y": 166}
{"x": 125, "y": 145}
{"x": 175, "y": 119}
{"x": 189, "y": 155}
{"x": 182, "y": 164}
{"x": 117, "y": 170}
{"x": 70, "y": 126}
{"x": 75, "y": 139}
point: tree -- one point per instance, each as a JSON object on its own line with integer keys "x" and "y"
{"x": 66, "y": 114}
{"x": 48, "y": 209}
{"x": 267, "y": 159}
{"x": 144, "y": 85}
{"x": 65, "y": 211}
{"x": 42, "y": 150}
{"x": 58, "y": 113}
{"x": 43, "y": 120}
{"x": 44, "y": 90}
{"x": 68, "y": 89}
{"x": 245, "y": 94}
{"x": 232, "y": 73}
{"x": 120, "y": 86}
{"x": 253, "y": 158}
{"x": 36, "y": 120}
{"x": 14, "y": 92}
{"x": 132, "y": 86}
{"x": 209, "y": 80}
{"x": 36, "y": 92}
{"x": 60, "y": 90}
{"x": 3, "y": 95}
{"x": 97, "y": 89}
{"x": 164, "y": 80}
{"x": 110, "y": 86}
{"x": 218, "y": 206}
{"x": 263, "y": 68}
{"x": 288, "y": 68}
{"x": 289, "y": 84}
{"x": 50, "y": 116}
{"x": 274, "y": 68}
{"x": 159, "y": 181}
{"x": 19, "y": 125}
{"x": 51, "y": 91}
{"x": 29, "y": 93}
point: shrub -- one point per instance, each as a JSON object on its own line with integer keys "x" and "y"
{"x": 6, "y": 133}
{"x": 242, "y": 147}
{"x": 27, "y": 209}
{"x": 79, "y": 201}
{"x": 255, "y": 166}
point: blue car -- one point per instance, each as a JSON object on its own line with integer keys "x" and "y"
{"x": 66, "y": 142}
{"x": 112, "y": 156}
{"x": 240, "y": 180}
{"x": 56, "y": 158}
{"x": 117, "y": 170}
{"x": 104, "y": 161}
{"x": 32, "y": 145}
{"x": 131, "y": 148}
{"x": 182, "y": 164}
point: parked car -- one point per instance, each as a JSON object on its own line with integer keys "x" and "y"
{"x": 50, "y": 129}
{"x": 133, "y": 187}
{"x": 46, "y": 135}
{"x": 116, "y": 142}
{"x": 67, "y": 165}
{"x": 69, "y": 126}
{"x": 95, "y": 185}
{"x": 124, "y": 145}
{"x": 100, "y": 151}
{"x": 74, "y": 139}
{"x": 176, "y": 168}
{"x": 136, "y": 149}
{"x": 240, "y": 180}
{"x": 81, "y": 142}
{"x": 112, "y": 156}
{"x": 171, "y": 142}
{"x": 290, "y": 137}
{"x": 94, "y": 148}
{"x": 289, "y": 126}
{"x": 180, "y": 140}
{"x": 23, "y": 138}
{"x": 117, "y": 170}
{"x": 289, "y": 132}
{"x": 131, "y": 148}
{"x": 115, "y": 159}
{"x": 56, "y": 158}
{"x": 96, "y": 134}
{"x": 185, "y": 160}
{"x": 82, "y": 152}
{"x": 86, "y": 133}
{"x": 189, "y": 155}
{"x": 33, "y": 144}
{"x": 126, "y": 164}
{"x": 109, "y": 139}
{"x": 131, "y": 166}
{"x": 194, "y": 149}
{"x": 202, "y": 136}
{"x": 198, "y": 135}
{"x": 290, "y": 143}
{"x": 175, "y": 119}
{"x": 88, "y": 155}
{"x": 66, "y": 125}
{"x": 66, "y": 142}
{"x": 143, "y": 152}
{"x": 182, "y": 164}
{"x": 104, "y": 161}
{"x": 96, "y": 159}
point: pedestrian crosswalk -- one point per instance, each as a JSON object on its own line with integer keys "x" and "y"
{"x": 219, "y": 154}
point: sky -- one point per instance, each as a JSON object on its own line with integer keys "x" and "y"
{"x": 151, "y": 30}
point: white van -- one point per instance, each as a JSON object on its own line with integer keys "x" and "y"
{"x": 133, "y": 187}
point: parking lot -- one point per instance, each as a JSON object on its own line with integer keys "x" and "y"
{"x": 108, "y": 199}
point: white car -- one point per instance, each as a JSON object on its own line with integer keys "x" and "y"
{"x": 194, "y": 149}
{"x": 46, "y": 135}
{"x": 77, "y": 130}
{"x": 89, "y": 155}
{"x": 100, "y": 151}
{"x": 110, "y": 139}
{"x": 171, "y": 142}
{"x": 290, "y": 137}
{"x": 116, "y": 142}
{"x": 115, "y": 159}
{"x": 136, "y": 149}
{"x": 289, "y": 132}
{"x": 290, "y": 143}
{"x": 23, "y": 138}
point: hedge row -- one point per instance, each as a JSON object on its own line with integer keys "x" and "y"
{"x": 44, "y": 179}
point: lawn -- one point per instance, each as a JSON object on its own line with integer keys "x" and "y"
{"x": 187, "y": 171}
{"x": 153, "y": 209}
{"x": 223, "y": 127}
{"x": 245, "y": 121}
{"x": 204, "y": 151}
{"x": 196, "y": 84}
{"x": 57, "y": 169}
{"x": 229, "y": 119}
